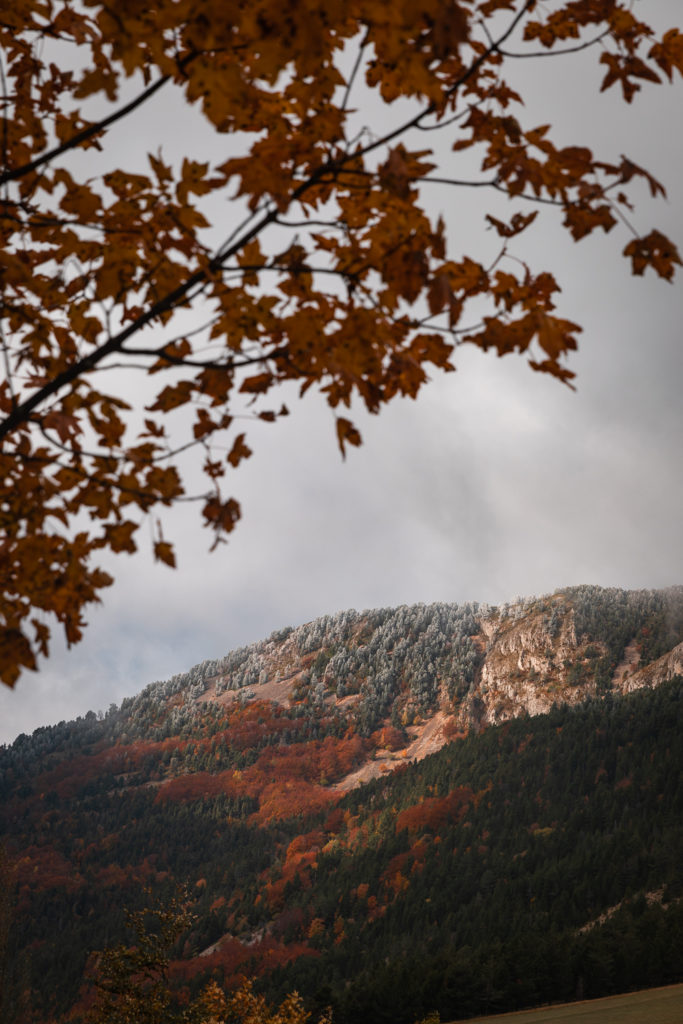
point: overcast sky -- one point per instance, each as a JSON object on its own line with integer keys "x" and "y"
{"x": 496, "y": 482}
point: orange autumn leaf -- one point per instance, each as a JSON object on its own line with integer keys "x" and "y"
{"x": 239, "y": 451}
{"x": 656, "y": 251}
{"x": 163, "y": 552}
{"x": 518, "y": 223}
{"x": 120, "y": 536}
{"x": 256, "y": 385}
{"x": 346, "y": 434}
{"x": 555, "y": 336}
{"x": 668, "y": 53}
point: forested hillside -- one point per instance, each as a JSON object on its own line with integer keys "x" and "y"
{"x": 493, "y": 793}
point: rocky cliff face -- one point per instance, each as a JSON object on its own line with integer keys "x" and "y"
{"x": 659, "y": 671}
{"x": 527, "y": 668}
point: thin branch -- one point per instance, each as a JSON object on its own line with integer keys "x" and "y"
{"x": 450, "y": 331}
{"x": 413, "y": 122}
{"x": 120, "y": 366}
{"x": 208, "y": 364}
{"x": 362, "y": 173}
{"x": 300, "y": 268}
{"x": 355, "y": 70}
{"x": 616, "y": 208}
{"x": 556, "y": 53}
{"x": 3, "y": 337}
{"x": 451, "y": 120}
{"x": 547, "y": 52}
{"x": 119, "y": 457}
{"x": 529, "y": 198}
{"x": 191, "y": 334}
{"x": 87, "y": 133}
{"x": 4, "y": 117}
{"x": 308, "y": 224}
{"x": 240, "y": 227}
{"x": 458, "y": 181}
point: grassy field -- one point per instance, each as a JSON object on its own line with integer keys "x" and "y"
{"x": 653, "y": 1006}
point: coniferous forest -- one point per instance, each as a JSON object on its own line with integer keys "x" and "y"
{"x": 528, "y": 858}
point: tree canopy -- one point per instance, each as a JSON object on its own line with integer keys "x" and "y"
{"x": 307, "y": 254}
{"x": 132, "y": 983}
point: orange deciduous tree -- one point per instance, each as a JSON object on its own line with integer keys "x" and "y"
{"x": 325, "y": 268}
{"x": 132, "y": 981}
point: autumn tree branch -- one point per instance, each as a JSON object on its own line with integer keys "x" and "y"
{"x": 83, "y": 136}
{"x": 22, "y": 411}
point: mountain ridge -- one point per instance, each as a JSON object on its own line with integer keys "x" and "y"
{"x": 518, "y": 659}
{"x": 466, "y": 784}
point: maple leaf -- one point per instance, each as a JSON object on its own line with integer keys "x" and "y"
{"x": 172, "y": 396}
{"x": 222, "y": 516}
{"x": 668, "y": 54}
{"x": 163, "y": 552}
{"x": 554, "y": 368}
{"x": 656, "y": 251}
{"x": 192, "y": 179}
{"x": 346, "y": 434}
{"x": 394, "y": 175}
{"x": 628, "y": 169}
{"x": 119, "y": 537}
{"x": 581, "y": 219}
{"x": 555, "y": 335}
{"x": 239, "y": 451}
{"x": 623, "y": 69}
{"x": 518, "y": 223}
{"x": 257, "y": 385}
{"x": 440, "y": 294}
{"x": 16, "y": 653}
{"x": 67, "y": 426}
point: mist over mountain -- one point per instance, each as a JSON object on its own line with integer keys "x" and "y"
{"x": 493, "y": 792}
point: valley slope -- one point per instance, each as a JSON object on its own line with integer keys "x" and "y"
{"x": 493, "y": 793}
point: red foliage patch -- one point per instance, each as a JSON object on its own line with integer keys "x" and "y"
{"x": 45, "y": 868}
{"x": 287, "y": 798}
{"x": 388, "y": 738}
{"x": 196, "y": 785}
{"x": 234, "y": 959}
{"x": 434, "y": 812}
